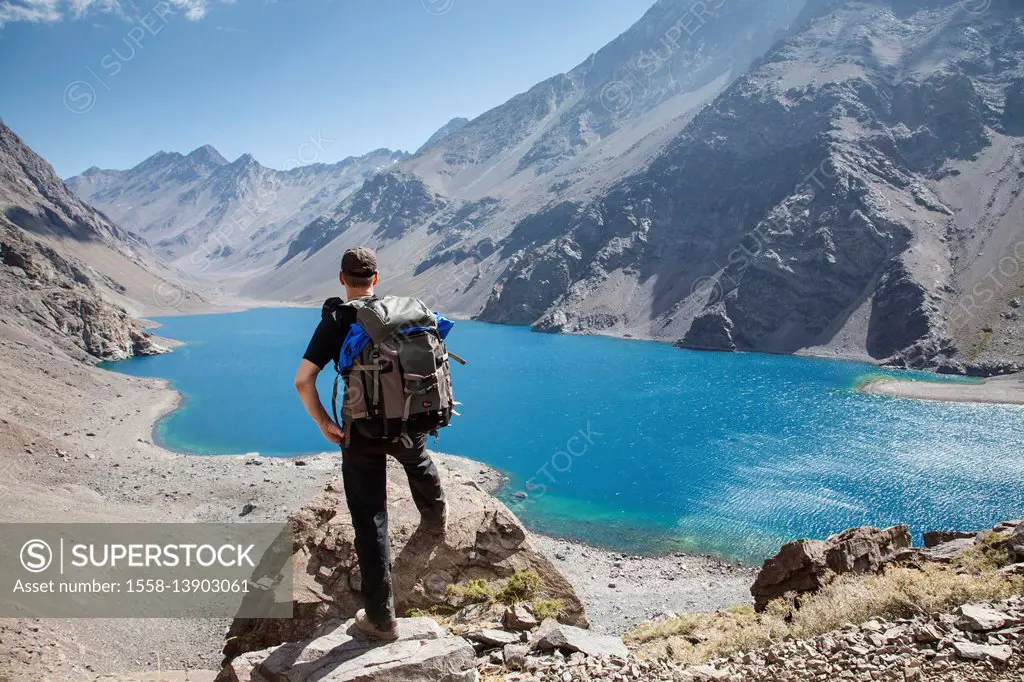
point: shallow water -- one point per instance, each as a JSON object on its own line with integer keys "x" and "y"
{"x": 634, "y": 445}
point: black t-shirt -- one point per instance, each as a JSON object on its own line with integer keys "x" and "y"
{"x": 325, "y": 346}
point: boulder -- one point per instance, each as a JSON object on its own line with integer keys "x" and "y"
{"x": 704, "y": 673}
{"x": 948, "y": 551}
{"x": 801, "y": 566}
{"x": 492, "y": 638}
{"x": 1013, "y": 569}
{"x": 554, "y": 635}
{"x": 339, "y": 652}
{"x": 934, "y": 538}
{"x": 484, "y": 540}
{"x": 980, "y": 618}
{"x": 981, "y": 652}
{"x": 1014, "y": 545}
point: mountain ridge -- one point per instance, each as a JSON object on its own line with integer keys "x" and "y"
{"x": 69, "y": 275}
{"x": 211, "y": 216}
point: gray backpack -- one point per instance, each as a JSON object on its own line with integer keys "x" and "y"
{"x": 394, "y": 364}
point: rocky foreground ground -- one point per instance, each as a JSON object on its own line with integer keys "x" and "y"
{"x": 973, "y": 643}
{"x": 979, "y": 640}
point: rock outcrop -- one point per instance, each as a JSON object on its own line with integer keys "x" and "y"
{"x": 394, "y": 202}
{"x": 484, "y": 541}
{"x": 337, "y": 651}
{"x": 801, "y": 566}
{"x": 59, "y": 299}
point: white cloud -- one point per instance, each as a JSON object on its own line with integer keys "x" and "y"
{"x": 194, "y": 9}
{"x": 78, "y": 8}
{"x": 49, "y": 11}
{"x": 29, "y": 10}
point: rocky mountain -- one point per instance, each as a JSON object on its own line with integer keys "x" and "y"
{"x": 67, "y": 272}
{"x": 570, "y": 136}
{"x": 449, "y": 128}
{"x": 837, "y": 176}
{"x": 857, "y": 191}
{"x": 214, "y": 217}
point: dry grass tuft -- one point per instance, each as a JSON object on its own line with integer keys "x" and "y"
{"x": 897, "y": 593}
{"x": 548, "y": 608}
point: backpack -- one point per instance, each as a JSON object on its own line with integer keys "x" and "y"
{"x": 395, "y": 369}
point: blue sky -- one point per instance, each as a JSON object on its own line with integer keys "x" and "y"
{"x": 107, "y": 83}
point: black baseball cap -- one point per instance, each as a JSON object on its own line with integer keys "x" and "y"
{"x": 359, "y": 262}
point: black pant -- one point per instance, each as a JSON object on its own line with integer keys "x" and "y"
{"x": 364, "y": 469}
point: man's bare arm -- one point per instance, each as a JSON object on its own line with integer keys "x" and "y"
{"x": 305, "y": 384}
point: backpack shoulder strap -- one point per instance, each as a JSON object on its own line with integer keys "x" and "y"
{"x": 331, "y": 307}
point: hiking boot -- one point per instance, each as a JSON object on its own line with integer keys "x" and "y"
{"x": 367, "y": 627}
{"x": 435, "y": 521}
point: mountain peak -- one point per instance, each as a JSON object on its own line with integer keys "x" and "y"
{"x": 161, "y": 158}
{"x": 207, "y": 154}
{"x": 245, "y": 160}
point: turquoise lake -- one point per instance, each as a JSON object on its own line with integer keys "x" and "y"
{"x": 632, "y": 445}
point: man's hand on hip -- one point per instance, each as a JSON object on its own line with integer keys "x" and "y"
{"x": 332, "y": 432}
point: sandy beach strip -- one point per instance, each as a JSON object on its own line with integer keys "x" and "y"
{"x": 1008, "y": 390}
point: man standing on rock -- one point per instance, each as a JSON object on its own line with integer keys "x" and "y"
{"x": 397, "y": 389}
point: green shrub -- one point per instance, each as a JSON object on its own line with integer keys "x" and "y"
{"x": 520, "y": 586}
{"x": 474, "y": 591}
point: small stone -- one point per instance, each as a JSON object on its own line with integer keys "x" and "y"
{"x": 927, "y": 634}
{"x": 247, "y": 509}
{"x": 871, "y": 626}
{"x": 515, "y": 656}
{"x": 519, "y": 617}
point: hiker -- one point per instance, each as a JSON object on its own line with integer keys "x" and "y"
{"x": 389, "y": 353}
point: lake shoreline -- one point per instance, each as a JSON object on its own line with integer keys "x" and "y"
{"x": 1003, "y": 390}
{"x": 245, "y": 305}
